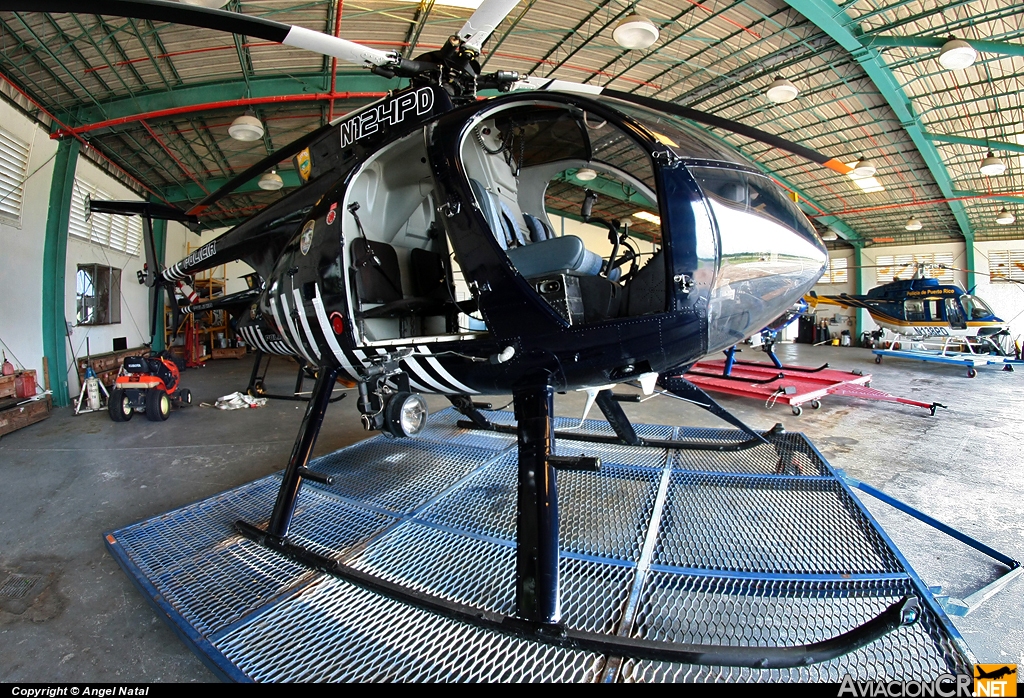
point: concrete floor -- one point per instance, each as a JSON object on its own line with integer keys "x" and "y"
{"x": 69, "y": 479}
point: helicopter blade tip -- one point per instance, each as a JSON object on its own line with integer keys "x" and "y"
{"x": 837, "y": 166}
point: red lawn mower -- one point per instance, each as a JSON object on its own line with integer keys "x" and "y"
{"x": 147, "y": 384}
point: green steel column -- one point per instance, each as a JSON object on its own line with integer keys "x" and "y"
{"x": 858, "y": 290}
{"x": 160, "y": 245}
{"x": 969, "y": 260}
{"x": 55, "y": 253}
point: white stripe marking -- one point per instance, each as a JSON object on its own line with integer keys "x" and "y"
{"x": 332, "y": 342}
{"x": 294, "y": 331}
{"x": 280, "y": 325}
{"x": 305, "y": 323}
{"x": 445, "y": 374}
{"x": 424, "y": 376}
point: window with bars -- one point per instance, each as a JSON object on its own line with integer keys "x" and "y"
{"x": 902, "y": 266}
{"x": 835, "y": 272}
{"x": 121, "y": 233}
{"x": 14, "y": 154}
{"x": 1006, "y": 265}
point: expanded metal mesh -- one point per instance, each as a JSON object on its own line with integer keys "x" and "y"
{"x": 438, "y": 516}
{"x": 785, "y": 454}
{"x": 337, "y": 632}
{"x": 398, "y": 475}
{"x": 764, "y": 613}
{"x": 768, "y": 525}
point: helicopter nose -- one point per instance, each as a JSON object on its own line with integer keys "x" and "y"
{"x": 767, "y": 264}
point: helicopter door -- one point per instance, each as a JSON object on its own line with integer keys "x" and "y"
{"x": 954, "y": 315}
{"x": 398, "y": 268}
{"x": 520, "y": 161}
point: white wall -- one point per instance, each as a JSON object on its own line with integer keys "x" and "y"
{"x": 134, "y": 325}
{"x": 21, "y": 249}
{"x": 1006, "y": 299}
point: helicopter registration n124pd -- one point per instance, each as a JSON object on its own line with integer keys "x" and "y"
{"x": 418, "y": 256}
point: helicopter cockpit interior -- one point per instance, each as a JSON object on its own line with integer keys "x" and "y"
{"x": 530, "y": 169}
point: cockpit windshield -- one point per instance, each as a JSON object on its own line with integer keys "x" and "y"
{"x": 685, "y": 139}
{"x": 974, "y": 307}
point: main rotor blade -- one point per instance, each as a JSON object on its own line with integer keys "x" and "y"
{"x": 482, "y": 22}
{"x": 692, "y": 114}
{"x": 734, "y": 126}
{"x": 218, "y": 20}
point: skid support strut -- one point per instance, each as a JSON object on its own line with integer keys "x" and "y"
{"x": 537, "y": 518}
{"x": 296, "y": 470}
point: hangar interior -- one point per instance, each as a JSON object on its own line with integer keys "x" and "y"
{"x": 920, "y": 100}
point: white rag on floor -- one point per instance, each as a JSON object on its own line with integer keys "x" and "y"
{"x": 237, "y": 401}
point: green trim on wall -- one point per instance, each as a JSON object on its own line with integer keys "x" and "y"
{"x": 55, "y": 254}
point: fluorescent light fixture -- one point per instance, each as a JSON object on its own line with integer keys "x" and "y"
{"x": 957, "y": 54}
{"x": 1005, "y": 217}
{"x": 782, "y": 91}
{"x": 585, "y": 174}
{"x": 864, "y": 168}
{"x": 914, "y": 225}
{"x": 647, "y": 216}
{"x": 246, "y": 128}
{"x": 992, "y": 165}
{"x": 635, "y": 32}
{"x": 212, "y": 4}
{"x": 271, "y": 181}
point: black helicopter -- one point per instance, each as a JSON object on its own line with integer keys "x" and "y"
{"x": 431, "y": 189}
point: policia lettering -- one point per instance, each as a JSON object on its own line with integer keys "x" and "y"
{"x": 389, "y": 112}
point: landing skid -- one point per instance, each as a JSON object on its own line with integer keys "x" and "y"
{"x": 537, "y": 588}
{"x": 658, "y": 550}
{"x": 256, "y": 387}
{"x": 625, "y": 434}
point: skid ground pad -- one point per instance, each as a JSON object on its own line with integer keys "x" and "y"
{"x": 763, "y": 547}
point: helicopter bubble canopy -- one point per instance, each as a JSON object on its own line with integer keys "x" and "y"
{"x": 727, "y": 242}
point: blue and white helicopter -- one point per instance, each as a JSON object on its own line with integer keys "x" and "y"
{"x": 923, "y": 310}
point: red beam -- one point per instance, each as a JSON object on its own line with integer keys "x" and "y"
{"x": 77, "y": 137}
{"x": 228, "y": 104}
{"x": 911, "y": 204}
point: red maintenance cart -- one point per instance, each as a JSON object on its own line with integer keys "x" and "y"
{"x": 791, "y": 385}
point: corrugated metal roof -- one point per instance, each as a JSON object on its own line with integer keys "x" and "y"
{"x": 715, "y": 55}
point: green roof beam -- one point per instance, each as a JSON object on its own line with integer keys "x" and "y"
{"x": 1004, "y": 48}
{"x": 830, "y": 18}
{"x": 190, "y": 191}
{"x": 983, "y": 143}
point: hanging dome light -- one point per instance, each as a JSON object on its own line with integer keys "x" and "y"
{"x": 271, "y": 181}
{"x": 1005, "y": 217}
{"x": 635, "y": 32}
{"x": 913, "y": 225}
{"x": 829, "y": 235}
{"x": 957, "y": 54}
{"x": 865, "y": 168}
{"x": 246, "y": 127}
{"x": 992, "y": 165}
{"x": 585, "y": 174}
{"x": 782, "y": 91}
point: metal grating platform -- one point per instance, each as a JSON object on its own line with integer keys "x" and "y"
{"x": 764, "y": 547}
